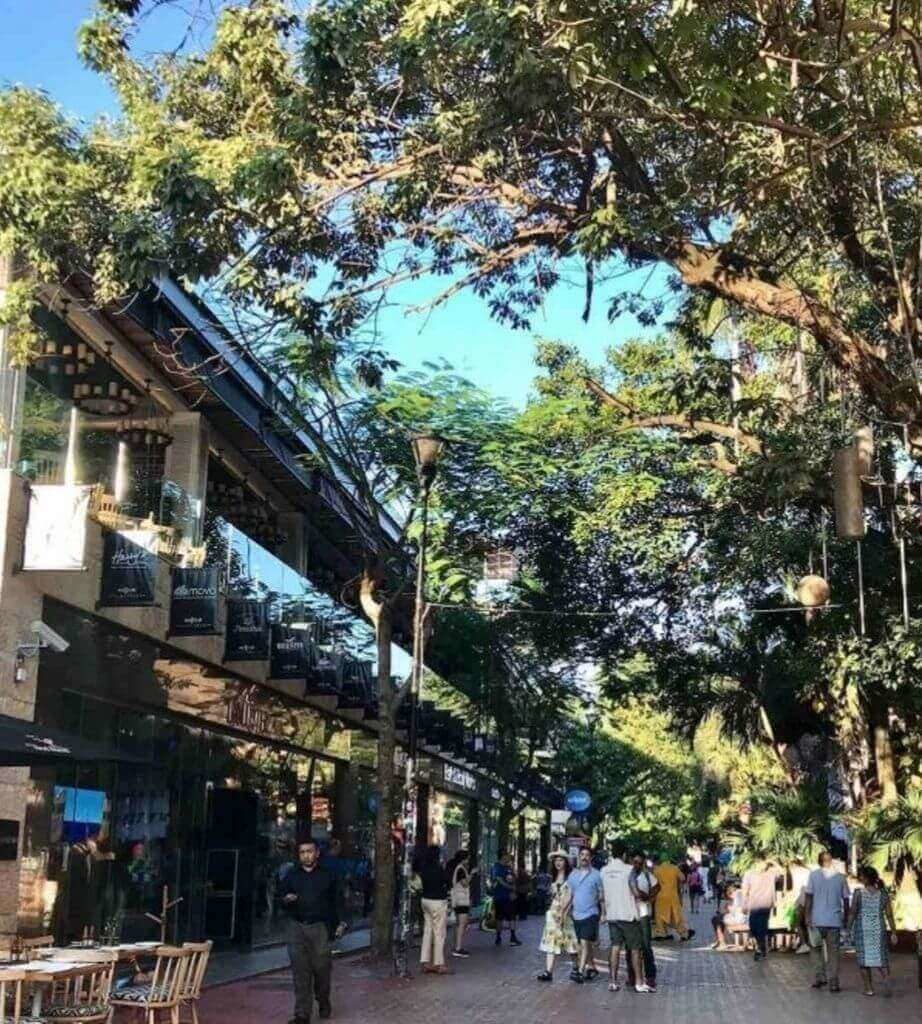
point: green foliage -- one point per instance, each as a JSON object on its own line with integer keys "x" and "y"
{"x": 786, "y": 826}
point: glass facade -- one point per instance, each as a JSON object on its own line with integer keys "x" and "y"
{"x": 185, "y": 806}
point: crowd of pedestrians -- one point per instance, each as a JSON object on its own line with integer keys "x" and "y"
{"x": 639, "y": 900}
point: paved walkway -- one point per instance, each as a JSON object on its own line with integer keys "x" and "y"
{"x": 497, "y": 986}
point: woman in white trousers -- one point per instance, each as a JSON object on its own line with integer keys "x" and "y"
{"x": 435, "y": 911}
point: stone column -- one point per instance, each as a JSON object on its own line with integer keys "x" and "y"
{"x": 187, "y": 460}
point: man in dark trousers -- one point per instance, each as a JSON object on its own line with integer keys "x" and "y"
{"x": 310, "y": 894}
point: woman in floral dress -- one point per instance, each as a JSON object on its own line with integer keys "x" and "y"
{"x": 870, "y": 914}
{"x": 559, "y": 936}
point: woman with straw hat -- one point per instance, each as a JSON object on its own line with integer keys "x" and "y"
{"x": 559, "y": 938}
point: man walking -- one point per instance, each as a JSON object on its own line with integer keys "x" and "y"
{"x": 826, "y": 910}
{"x": 587, "y": 907}
{"x": 644, "y": 888}
{"x": 623, "y": 920}
{"x": 759, "y": 887}
{"x": 502, "y": 876}
{"x": 310, "y": 894}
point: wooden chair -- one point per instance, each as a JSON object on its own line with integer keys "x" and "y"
{"x": 36, "y": 942}
{"x": 199, "y": 954}
{"x": 85, "y": 997}
{"x": 163, "y": 992}
{"x": 11, "y": 996}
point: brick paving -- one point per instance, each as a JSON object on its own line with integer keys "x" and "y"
{"x": 497, "y": 986}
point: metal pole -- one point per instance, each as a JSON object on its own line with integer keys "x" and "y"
{"x": 402, "y": 945}
{"x": 861, "y": 620}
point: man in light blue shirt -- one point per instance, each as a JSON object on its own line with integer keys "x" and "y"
{"x": 826, "y": 910}
{"x": 587, "y": 907}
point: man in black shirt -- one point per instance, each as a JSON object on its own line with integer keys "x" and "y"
{"x": 311, "y": 896}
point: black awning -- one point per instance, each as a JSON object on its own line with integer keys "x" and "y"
{"x": 24, "y": 743}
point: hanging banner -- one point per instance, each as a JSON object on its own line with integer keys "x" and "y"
{"x": 56, "y": 528}
{"x": 129, "y": 569}
{"x": 288, "y": 653}
{"x": 194, "y": 602}
{"x": 247, "y": 631}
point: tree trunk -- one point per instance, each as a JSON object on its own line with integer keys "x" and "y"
{"x": 884, "y": 761}
{"x": 379, "y": 613}
{"x": 506, "y": 814}
{"x": 520, "y": 844}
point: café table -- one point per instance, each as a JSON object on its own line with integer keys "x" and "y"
{"x": 45, "y": 972}
{"x": 63, "y": 963}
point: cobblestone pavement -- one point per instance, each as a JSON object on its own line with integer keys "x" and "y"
{"x": 497, "y": 986}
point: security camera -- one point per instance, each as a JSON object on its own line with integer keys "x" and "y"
{"x": 48, "y": 638}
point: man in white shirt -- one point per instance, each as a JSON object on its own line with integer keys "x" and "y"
{"x": 826, "y": 910}
{"x": 623, "y": 918}
{"x": 644, "y": 886}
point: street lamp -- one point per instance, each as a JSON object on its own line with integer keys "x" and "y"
{"x": 427, "y": 448}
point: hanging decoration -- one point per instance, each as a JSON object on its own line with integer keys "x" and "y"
{"x": 194, "y": 602}
{"x": 147, "y": 429}
{"x": 247, "y": 634}
{"x": 847, "y": 494}
{"x": 97, "y": 388}
{"x": 129, "y": 568}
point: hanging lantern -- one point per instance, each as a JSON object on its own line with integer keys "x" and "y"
{"x": 149, "y": 430}
{"x": 812, "y": 591}
{"x": 846, "y": 494}
{"x": 864, "y": 445}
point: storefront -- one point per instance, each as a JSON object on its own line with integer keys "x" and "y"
{"x": 218, "y": 779}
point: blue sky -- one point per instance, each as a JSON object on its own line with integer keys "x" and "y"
{"x": 38, "y": 48}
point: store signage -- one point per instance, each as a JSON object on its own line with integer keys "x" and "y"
{"x": 460, "y": 778}
{"x": 247, "y": 631}
{"x": 129, "y": 568}
{"x": 56, "y": 528}
{"x": 577, "y": 801}
{"x": 288, "y": 653}
{"x": 194, "y": 602}
{"x": 247, "y": 711}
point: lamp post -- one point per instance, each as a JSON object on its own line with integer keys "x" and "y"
{"x": 426, "y": 451}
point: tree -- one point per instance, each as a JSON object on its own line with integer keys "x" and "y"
{"x": 498, "y": 145}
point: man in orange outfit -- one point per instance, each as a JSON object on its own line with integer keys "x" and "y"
{"x": 667, "y": 909}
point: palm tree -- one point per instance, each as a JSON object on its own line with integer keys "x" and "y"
{"x": 786, "y": 826}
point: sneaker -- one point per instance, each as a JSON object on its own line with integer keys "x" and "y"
{"x": 515, "y": 942}
{"x": 819, "y": 983}
{"x": 545, "y": 976}
{"x": 325, "y": 1011}
{"x": 834, "y": 986}
{"x": 803, "y": 950}
{"x": 613, "y": 986}
{"x": 651, "y": 986}
{"x": 642, "y": 988}
{"x": 463, "y": 953}
{"x": 576, "y": 977}
{"x": 690, "y": 935}
{"x": 498, "y": 941}
{"x": 757, "y": 956}
{"x": 591, "y": 974}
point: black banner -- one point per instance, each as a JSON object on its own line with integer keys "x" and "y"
{"x": 288, "y": 654}
{"x": 247, "y": 635}
{"x": 128, "y": 570}
{"x": 194, "y": 602}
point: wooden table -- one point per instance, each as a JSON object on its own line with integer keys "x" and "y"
{"x": 62, "y": 964}
{"x": 40, "y": 973}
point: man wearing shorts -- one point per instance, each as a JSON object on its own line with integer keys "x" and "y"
{"x": 623, "y": 917}
{"x": 587, "y": 907}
